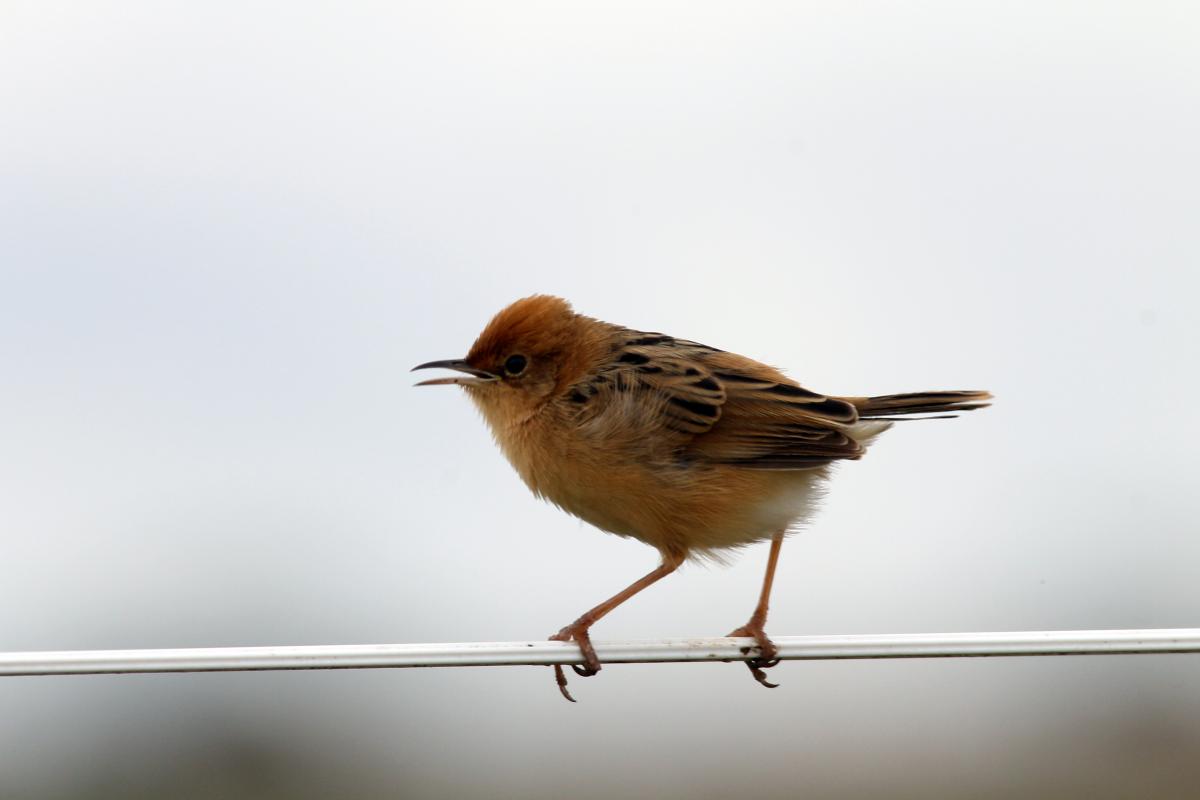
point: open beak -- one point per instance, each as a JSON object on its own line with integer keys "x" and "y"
{"x": 478, "y": 376}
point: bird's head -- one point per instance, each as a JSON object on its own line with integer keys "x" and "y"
{"x": 529, "y": 352}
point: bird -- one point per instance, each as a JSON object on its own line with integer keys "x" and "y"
{"x": 692, "y": 450}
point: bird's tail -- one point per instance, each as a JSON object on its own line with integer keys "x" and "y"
{"x": 941, "y": 405}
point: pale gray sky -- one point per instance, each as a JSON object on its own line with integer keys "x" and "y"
{"x": 229, "y": 230}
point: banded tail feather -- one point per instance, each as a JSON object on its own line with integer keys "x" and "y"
{"x": 942, "y": 404}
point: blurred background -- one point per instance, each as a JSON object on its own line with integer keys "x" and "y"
{"x": 230, "y": 229}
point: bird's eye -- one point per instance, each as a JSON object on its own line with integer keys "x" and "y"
{"x": 515, "y": 365}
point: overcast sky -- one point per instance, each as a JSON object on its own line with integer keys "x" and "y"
{"x": 228, "y": 231}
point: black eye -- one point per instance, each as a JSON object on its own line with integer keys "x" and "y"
{"x": 515, "y": 365}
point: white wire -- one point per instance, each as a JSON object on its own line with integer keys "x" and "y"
{"x": 539, "y": 653}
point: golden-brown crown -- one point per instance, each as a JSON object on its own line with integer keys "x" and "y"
{"x": 539, "y": 325}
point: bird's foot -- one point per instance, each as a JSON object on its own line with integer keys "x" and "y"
{"x": 591, "y": 662}
{"x": 767, "y": 652}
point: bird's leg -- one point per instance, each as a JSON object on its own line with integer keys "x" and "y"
{"x": 578, "y": 630}
{"x": 754, "y": 628}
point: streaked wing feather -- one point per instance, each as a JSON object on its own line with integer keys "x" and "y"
{"x": 772, "y": 423}
{"x": 655, "y": 386}
{"x": 727, "y": 409}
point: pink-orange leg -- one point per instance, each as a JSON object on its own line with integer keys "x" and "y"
{"x": 578, "y": 630}
{"x": 754, "y": 628}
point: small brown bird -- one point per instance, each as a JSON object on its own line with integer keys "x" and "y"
{"x": 687, "y": 448}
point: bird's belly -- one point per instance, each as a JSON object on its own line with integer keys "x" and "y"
{"x": 789, "y": 499}
{"x": 685, "y": 510}
{"x": 625, "y": 501}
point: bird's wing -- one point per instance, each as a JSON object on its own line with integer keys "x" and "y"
{"x": 713, "y": 406}
{"x": 772, "y": 423}
{"x": 651, "y": 387}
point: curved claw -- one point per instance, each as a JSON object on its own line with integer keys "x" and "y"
{"x": 561, "y": 679}
{"x": 757, "y": 665}
{"x": 591, "y": 662}
{"x": 768, "y": 653}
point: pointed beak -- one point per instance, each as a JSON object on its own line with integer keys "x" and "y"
{"x": 478, "y": 376}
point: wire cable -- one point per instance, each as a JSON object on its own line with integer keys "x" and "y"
{"x": 539, "y": 653}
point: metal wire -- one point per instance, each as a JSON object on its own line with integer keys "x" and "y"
{"x": 484, "y": 654}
